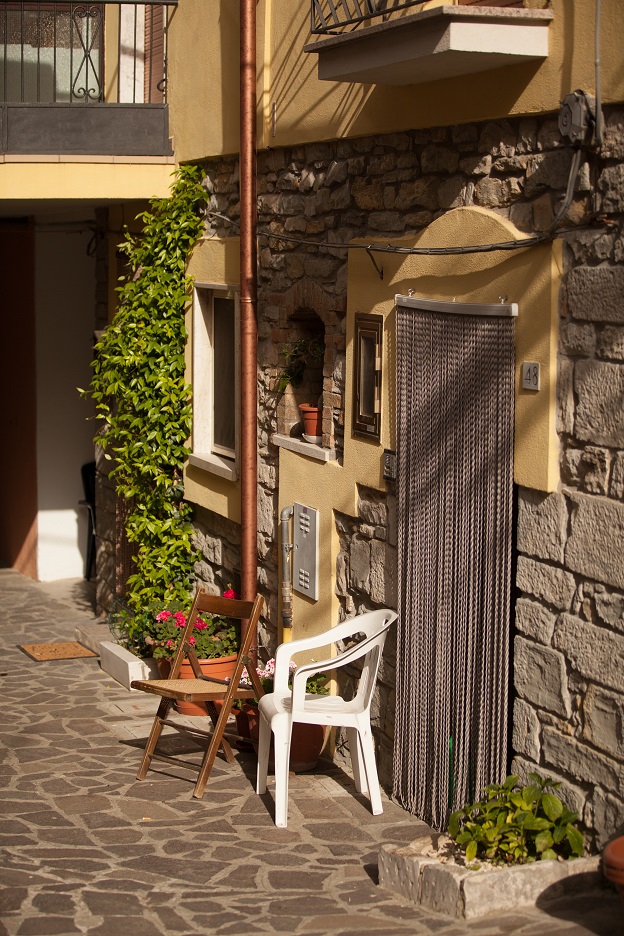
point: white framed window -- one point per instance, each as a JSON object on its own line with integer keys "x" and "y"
{"x": 216, "y": 379}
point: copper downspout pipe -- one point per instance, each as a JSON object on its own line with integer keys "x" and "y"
{"x": 248, "y": 307}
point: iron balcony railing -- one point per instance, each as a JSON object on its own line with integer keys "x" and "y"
{"x": 329, "y": 17}
{"x": 73, "y": 52}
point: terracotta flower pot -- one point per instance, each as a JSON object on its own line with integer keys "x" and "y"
{"x": 613, "y": 865}
{"x": 220, "y": 668}
{"x": 305, "y": 746}
{"x": 312, "y": 420}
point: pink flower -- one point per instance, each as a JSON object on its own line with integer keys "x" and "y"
{"x": 180, "y": 619}
{"x": 200, "y": 625}
{"x": 230, "y": 593}
{"x": 192, "y": 640}
{"x": 169, "y": 643}
{"x": 163, "y": 616}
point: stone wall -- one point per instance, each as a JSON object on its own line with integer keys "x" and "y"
{"x": 569, "y": 647}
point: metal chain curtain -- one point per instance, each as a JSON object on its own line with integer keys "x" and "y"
{"x": 455, "y": 411}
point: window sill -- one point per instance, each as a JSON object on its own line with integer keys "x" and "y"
{"x": 224, "y": 467}
{"x": 301, "y": 447}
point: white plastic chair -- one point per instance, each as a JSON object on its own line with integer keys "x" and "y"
{"x": 280, "y": 708}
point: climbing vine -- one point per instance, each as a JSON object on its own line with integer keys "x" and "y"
{"x": 141, "y": 395}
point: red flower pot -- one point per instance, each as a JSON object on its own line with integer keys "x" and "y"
{"x": 312, "y": 420}
{"x": 221, "y": 668}
{"x": 305, "y": 746}
{"x": 613, "y": 865}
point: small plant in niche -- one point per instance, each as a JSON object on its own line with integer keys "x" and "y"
{"x": 516, "y": 825}
{"x": 297, "y": 355}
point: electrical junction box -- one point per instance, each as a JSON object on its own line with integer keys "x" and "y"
{"x": 305, "y": 550}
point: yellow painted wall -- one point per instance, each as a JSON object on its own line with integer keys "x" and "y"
{"x": 91, "y": 180}
{"x": 214, "y": 263}
{"x": 529, "y": 277}
{"x": 204, "y": 98}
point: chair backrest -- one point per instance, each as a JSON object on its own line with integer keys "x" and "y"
{"x": 248, "y": 611}
{"x": 375, "y": 626}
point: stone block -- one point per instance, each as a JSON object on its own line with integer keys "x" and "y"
{"x": 596, "y": 294}
{"x": 124, "y": 666}
{"x": 554, "y": 586}
{"x": 608, "y": 813}
{"x": 596, "y": 543}
{"x": 571, "y": 796}
{"x": 526, "y": 731}
{"x": 542, "y": 524}
{"x": 610, "y": 608}
{"x": 587, "y": 469}
{"x": 611, "y": 343}
{"x": 604, "y": 720}
{"x": 422, "y": 192}
{"x": 498, "y": 139}
{"x": 540, "y": 677}
{"x": 463, "y": 893}
{"x": 594, "y": 652}
{"x": 452, "y": 193}
{"x": 616, "y": 487}
{"x": 565, "y": 397}
{"x": 535, "y": 620}
{"x": 359, "y": 564}
{"x": 599, "y": 416}
{"x": 611, "y": 184}
{"x": 439, "y": 159}
{"x": 577, "y": 338}
{"x": 563, "y": 752}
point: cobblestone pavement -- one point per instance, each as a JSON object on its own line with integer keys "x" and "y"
{"x": 88, "y": 849}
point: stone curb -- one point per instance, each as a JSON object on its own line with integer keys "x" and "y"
{"x": 124, "y": 666}
{"x": 462, "y": 893}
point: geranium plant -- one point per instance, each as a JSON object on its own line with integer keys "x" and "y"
{"x": 156, "y": 631}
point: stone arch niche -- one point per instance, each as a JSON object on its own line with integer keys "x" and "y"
{"x": 309, "y": 312}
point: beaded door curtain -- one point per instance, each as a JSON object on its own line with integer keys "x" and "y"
{"x": 455, "y": 425}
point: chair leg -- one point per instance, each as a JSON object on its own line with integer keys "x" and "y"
{"x": 154, "y": 735}
{"x": 368, "y": 754}
{"x": 264, "y": 746}
{"x": 282, "y": 730}
{"x": 357, "y": 763}
{"x": 209, "y": 757}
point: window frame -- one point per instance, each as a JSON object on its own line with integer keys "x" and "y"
{"x": 365, "y": 425}
{"x": 207, "y": 454}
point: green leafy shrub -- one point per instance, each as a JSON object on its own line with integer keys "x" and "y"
{"x": 297, "y": 355}
{"x": 142, "y": 399}
{"x": 516, "y": 824}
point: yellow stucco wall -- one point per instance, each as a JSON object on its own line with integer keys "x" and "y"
{"x": 204, "y": 99}
{"x": 43, "y": 178}
{"x": 528, "y": 277}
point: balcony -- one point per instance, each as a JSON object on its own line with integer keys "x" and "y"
{"x": 84, "y": 78}
{"x": 383, "y": 42}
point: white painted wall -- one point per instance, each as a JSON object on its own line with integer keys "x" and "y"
{"x": 65, "y": 301}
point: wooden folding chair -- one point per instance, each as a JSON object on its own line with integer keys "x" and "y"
{"x": 203, "y": 688}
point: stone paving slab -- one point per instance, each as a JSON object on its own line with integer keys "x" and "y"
{"x": 88, "y": 849}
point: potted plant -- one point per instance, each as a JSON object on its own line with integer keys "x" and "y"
{"x": 515, "y": 824}
{"x": 156, "y": 632}
{"x": 297, "y": 355}
{"x": 307, "y": 740}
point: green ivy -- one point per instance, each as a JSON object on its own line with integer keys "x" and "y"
{"x": 142, "y": 398}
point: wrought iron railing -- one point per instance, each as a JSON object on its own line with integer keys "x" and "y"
{"x": 329, "y": 17}
{"x": 82, "y": 52}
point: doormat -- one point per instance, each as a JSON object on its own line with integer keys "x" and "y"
{"x": 43, "y": 652}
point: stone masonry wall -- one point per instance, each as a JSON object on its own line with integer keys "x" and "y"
{"x": 569, "y": 650}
